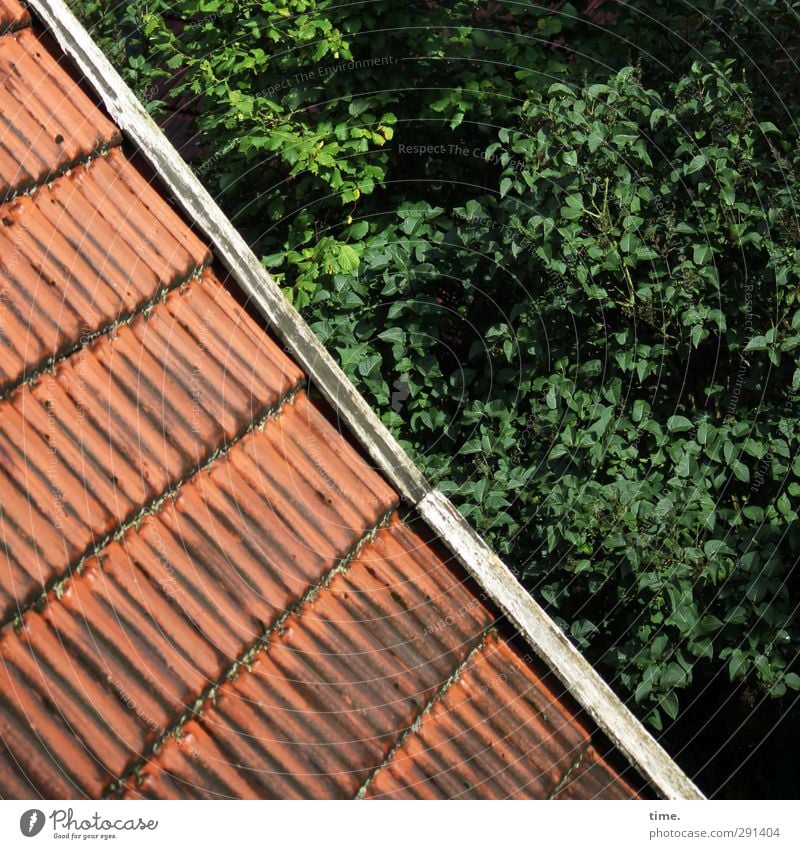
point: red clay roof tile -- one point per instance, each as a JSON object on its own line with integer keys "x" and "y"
{"x": 157, "y": 617}
{"x": 594, "y": 778}
{"x": 196, "y": 766}
{"x": 500, "y": 732}
{"x": 122, "y": 421}
{"x": 340, "y": 681}
{"x": 13, "y": 15}
{"x": 47, "y": 123}
{"x": 85, "y": 251}
{"x": 349, "y": 676}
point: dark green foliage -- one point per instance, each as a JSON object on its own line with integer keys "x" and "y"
{"x": 570, "y": 288}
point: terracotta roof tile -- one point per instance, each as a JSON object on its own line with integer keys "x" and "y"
{"x": 87, "y": 250}
{"x": 347, "y": 680}
{"x": 122, "y": 421}
{"x": 502, "y": 730}
{"x": 594, "y": 778}
{"x": 339, "y": 682}
{"x": 196, "y": 766}
{"x": 13, "y": 15}
{"x": 123, "y": 649}
{"x": 47, "y": 123}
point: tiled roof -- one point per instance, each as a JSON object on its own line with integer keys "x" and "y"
{"x": 205, "y": 589}
{"x": 13, "y": 15}
{"x": 48, "y": 123}
{"x": 79, "y": 252}
{"x": 330, "y": 709}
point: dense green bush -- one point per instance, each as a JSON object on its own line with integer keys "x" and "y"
{"x": 569, "y": 287}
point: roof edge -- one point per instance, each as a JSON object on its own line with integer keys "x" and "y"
{"x": 550, "y": 643}
{"x": 540, "y": 631}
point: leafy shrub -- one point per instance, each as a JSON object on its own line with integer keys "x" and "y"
{"x": 628, "y": 392}
{"x": 571, "y": 291}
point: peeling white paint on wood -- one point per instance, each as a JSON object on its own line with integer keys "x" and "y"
{"x": 544, "y": 636}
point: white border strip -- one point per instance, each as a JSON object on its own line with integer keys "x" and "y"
{"x": 584, "y": 683}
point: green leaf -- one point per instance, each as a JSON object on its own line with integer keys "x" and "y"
{"x": 643, "y": 690}
{"x": 655, "y": 116}
{"x": 669, "y": 704}
{"x": 456, "y": 120}
{"x": 358, "y": 230}
{"x": 695, "y": 165}
{"x": 708, "y": 625}
{"x": 736, "y": 615}
{"x": 368, "y": 364}
{"x": 393, "y": 335}
{"x": 348, "y": 258}
{"x": 673, "y": 676}
{"x": 678, "y": 424}
{"x": 757, "y": 343}
{"x": 357, "y": 107}
{"x": 701, "y": 253}
{"x": 595, "y": 139}
{"x": 736, "y": 664}
{"x": 638, "y": 410}
{"x": 654, "y": 718}
{"x": 740, "y": 471}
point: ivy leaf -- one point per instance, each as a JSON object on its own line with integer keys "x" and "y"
{"x": 368, "y": 364}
